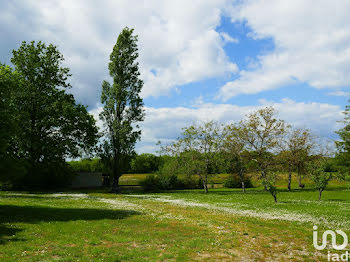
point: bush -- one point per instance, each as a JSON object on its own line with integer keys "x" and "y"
{"x": 154, "y": 183}
{"x": 150, "y": 184}
{"x": 235, "y": 182}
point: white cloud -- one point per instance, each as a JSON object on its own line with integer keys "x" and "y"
{"x": 339, "y": 93}
{"x": 228, "y": 39}
{"x": 312, "y": 45}
{"x": 165, "y": 124}
{"x": 177, "y": 39}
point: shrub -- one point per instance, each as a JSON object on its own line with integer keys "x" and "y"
{"x": 235, "y": 182}
{"x": 150, "y": 184}
{"x": 154, "y": 183}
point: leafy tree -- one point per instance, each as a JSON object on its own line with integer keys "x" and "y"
{"x": 88, "y": 165}
{"x": 319, "y": 175}
{"x": 269, "y": 182}
{"x": 343, "y": 146}
{"x": 296, "y": 149}
{"x": 122, "y": 105}
{"x": 11, "y": 167}
{"x": 235, "y": 155}
{"x": 199, "y": 146}
{"x": 145, "y": 163}
{"x": 53, "y": 126}
{"x": 261, "y": 132}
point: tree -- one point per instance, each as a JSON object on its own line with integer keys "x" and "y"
{"x": 122, "y": 105}
{"x": 53, "y": 126}
{"x": 262, "y": 132}
{"x": 269, "y": 182}
{"x": 11, "y": 167}
{"x": 199, "y": 146}
{"x": 295, "y": 152}
{"x": 319, "y": 176}
{"x": 343, "y": 145}
{"x": 145, "y": 163}
{"x": 234, "y": 153}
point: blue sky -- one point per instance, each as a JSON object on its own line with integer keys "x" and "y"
{"x": 201, "y": 60}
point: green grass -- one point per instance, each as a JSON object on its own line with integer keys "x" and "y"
{"x": 131, "y": 179}
{"x": 183, "y": 225}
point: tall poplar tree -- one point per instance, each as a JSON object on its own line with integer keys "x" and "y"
{"x": 122, "y": 105}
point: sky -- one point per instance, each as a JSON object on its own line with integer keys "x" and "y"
{"x": 203, "y": 59}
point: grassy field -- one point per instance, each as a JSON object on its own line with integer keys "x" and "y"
{"x": 182, "y": 225}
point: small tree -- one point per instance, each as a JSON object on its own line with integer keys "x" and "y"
{"x": 122, "y": 106}
{"x": 269, "y": 183}
{"x": 199, "y": 146}
{"x": 262, "y": 132}
{"x": 319, "y": 176}
{"x": 295, "y": 152}
{"x": 233, "y": 147}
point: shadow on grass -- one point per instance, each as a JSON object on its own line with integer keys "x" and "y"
{"x": 34, "y": 214}
{"x": 8, "y": 234}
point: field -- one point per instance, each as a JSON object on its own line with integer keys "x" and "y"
{"x": 182, "y": 225}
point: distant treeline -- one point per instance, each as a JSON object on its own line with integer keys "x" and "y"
{"x": 145, "y": 163}
{"x": 140, "y": 164}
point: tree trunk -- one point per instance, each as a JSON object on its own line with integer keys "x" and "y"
{"x": 320, "y": 194}
{"x": 263, "y": 175}
{"x": 116, "y": 176}
{"x": 300, "y": 184}
{"x": 242, "y": 180}
{"x": 243, "y": 187}
{"x": 205, "y": 185}
{"x": 289, "y": 180}
{"x": 275, "y": 196}
{"x": 115, "y": 185}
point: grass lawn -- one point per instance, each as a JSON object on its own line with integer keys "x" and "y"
{"x": 224, "y": 225}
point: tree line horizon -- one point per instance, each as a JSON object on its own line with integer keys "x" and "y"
{"x": 42, "y": 125}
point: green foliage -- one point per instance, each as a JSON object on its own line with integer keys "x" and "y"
{"x": 12, "y": 169}
{"x": 235, "y": 156}
{"x": 49, "y": 125}
{"x": 343, "y": 155}
{"x": 89, "y": 165}
{"x": 261, "y": 131}
{"x": 198, "y": 150}
{"x": 269, "y": 183}
{"x": 235, "y": 182}
{"x": 145, "y": 163}
{"x": 150, "y": 183}
{"x": 54, "y": 126}
{"x": 318, "y": 170}
{"x": 167, "y": 177}
{"x": 122, "y": 105}
{"x": 160, "y": 182}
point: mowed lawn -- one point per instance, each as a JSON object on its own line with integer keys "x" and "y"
{"x": 184, "y": 225}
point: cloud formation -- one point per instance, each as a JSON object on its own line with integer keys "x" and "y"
{"x": 165, "y": 124}
{"x": 178, "y": 42}
{"x": 312, "y": 45}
